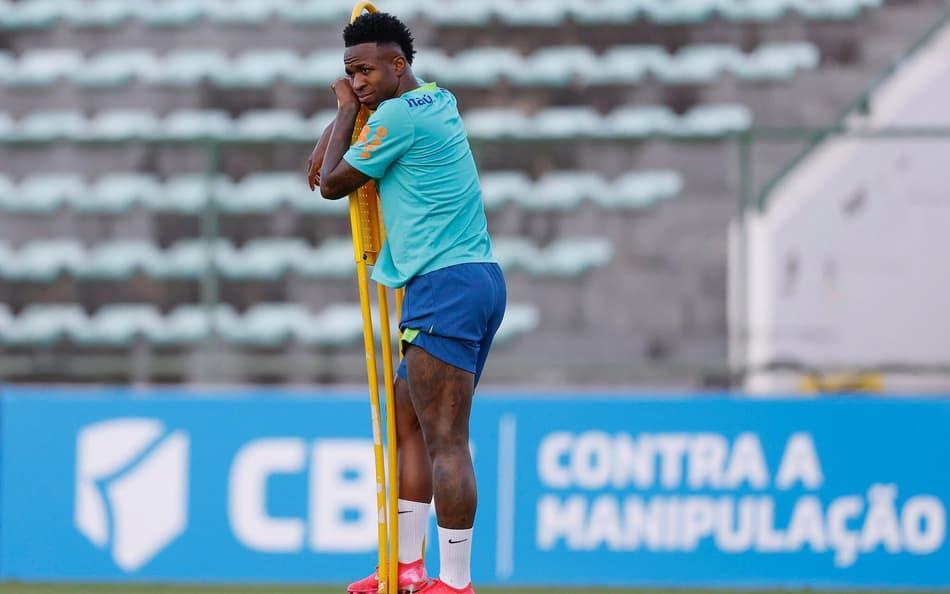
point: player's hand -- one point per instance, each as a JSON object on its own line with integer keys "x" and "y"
{"x": 345, "y": 95}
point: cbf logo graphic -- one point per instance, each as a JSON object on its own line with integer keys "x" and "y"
{"x": 131, "y": 488}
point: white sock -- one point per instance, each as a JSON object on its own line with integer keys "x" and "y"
{"x": 455, "y": 557}
{"x": 413, "y": 521}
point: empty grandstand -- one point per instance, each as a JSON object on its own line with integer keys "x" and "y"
{"x": 156, "y": 225}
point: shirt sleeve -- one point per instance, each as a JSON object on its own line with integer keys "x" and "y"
{"x": 386, "y": 137}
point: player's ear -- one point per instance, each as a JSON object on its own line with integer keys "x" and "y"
{"x": 399, "y": 64}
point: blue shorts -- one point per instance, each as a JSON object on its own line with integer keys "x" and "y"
{"x": 453, "y": 313}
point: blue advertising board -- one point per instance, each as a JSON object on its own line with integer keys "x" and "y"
{"x": 278, "y": 485}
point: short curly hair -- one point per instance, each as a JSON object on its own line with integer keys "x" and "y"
{"x": 379, "y": 27}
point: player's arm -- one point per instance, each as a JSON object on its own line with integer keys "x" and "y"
{"x": 315, "y": 161}
{"x": 337, "y": 177}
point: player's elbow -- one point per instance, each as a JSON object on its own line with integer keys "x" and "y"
{"x": 331, "y": 191}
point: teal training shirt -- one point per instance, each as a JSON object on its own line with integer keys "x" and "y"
{"x": 416, "y": 147}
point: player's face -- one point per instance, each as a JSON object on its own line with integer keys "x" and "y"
{"x": 374, "y": 70}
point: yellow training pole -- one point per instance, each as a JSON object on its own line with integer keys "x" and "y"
{"x": 368, "y": 235}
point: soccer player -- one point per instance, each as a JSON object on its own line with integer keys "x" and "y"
{"x": 438, "y": 247}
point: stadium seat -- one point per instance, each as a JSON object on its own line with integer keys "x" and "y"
{"x": 715, "y": 120}
{"x": 119, "y": 192}
{"x": 36, "y": 14}
{"x": 499, "y": 187}
{"x": 699, "y": 64}
{"x": 639, "y": 190}
{"x": 46, "y": 324}
{"x": 124, "y": 124}
{"x": 562, "y": 191}
{"x": 259, "y": 69}
{"x": 314, "y": 12}
{"x": 319, "y": 69}
{"x": 604, "y": 12}
{"x": 241, "y": 12}
{"x": 520, "y": 318}
{"x": 190, "y": 193}
{"x": 101, "y": 13}
{"x": 192, "y": 324}
{"x": 198, "y": 124}
{"x": 168, "y": 13}
{"x": 481, "y": 67}
{"x": 272, "y": 124}
{"x": 565, "y": 122}
{"x": 457, "y": 12}
{"x": 187, "y": 68}
{"x": 514, "y": 253}
{"x": 188, "y": 259}
{"x": 7, "y": 192}
{"x": 44, "y": 260}
{"x": 493, "y": 123}
{"x": 571, "y": 257}
{"x": 336, "y": 325}
{"x": 47, "y": 126}
{"x": 6, "y": 318}
{"x": 640, "y": 121}
{"x": 555, "y": 66}
{"x": 538, "y": 13}
{"x": 46, "y": 193}
{"x": 334, "y": 258}
{"x": 117, "y": 68}
{"x": 431, "y": 63}
{"x": 269, "y": 324}
{"x": 263, "y": 192}
{"x": 263, "y": 259}
{"x": 119, "y": 324}
{"x": 120, "y": 259}
{"x": 44, "y": 67}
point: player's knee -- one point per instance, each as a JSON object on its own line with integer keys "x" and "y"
{"x": 444, "y": 439}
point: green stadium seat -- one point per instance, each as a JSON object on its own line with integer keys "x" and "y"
{"x": 7, "y": 62}
{"x": 699, "y": 64}
{"x": 269, "y": 324}
{"x": 7, "y": 126}
{"x": 520, "y": 318}
{"x": 264, "y": 192}
{"x": 47, "y": 324}
{"x": 431, "y": 63}
{"x": 318, "y": 69}
{"x": 638, "y": 190}
{"x": 190, "y": 193}
{"x": 334, "y": 258}
{"x": 44, "y": 67}
{"x": 187, "y": 68}
{"x": 101, "y": 13}
{"x": 124, "y": 124}
{"x": 119, "y": 192}
{"x": 565, "y": 122}
{"x": 604, "y": 12}
{"x": 42, "y": 194}
{"x": 562, "y": 191}
{"x": 493, "y": 123}
{"x": 120, "y": 259}
{"x": 337, "y": 324}
{"x": 168, "y": 13}
{"x": 537, "y": 13}
{"x": 117, "y": 68}
{"x": 192, "y": 324}
{"x": 321, "y": 120}
{"x": 681, "y": 12}
{"x": 571, "y": 257}
{"x": 514, "y": 253}
{"x": 556, "y": 66}
{"x": 715, "y": 120}
{"x": 47, "y": 126}
{"x": 459, "y": 13}
{"x": 6, "y": 318}
{"x": 499, "y": 187}
{"x": 7, "y": 192}
{"x": 640, "y": 121}
{"x": 241, "y": 12}
{"x": 482, "y": 67}
{"x": 259, "y": 69}
{"x": 36, "y": 14}
{"x": 44, "y": 260}
{"x": 119, "y": 324}
{"x": 263, "y": 259}
{"x": 188, "y": 259}
{"x": 272, "y": 124}
{"x": 315, "y": 12}
{"x": 760, "y": 11}
{"x": 627, "y": 64}
{"x": 7, "y": 255}
{"x": 198, "y": 124}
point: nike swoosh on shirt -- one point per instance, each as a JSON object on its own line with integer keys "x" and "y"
{"x": 457, "y": 541}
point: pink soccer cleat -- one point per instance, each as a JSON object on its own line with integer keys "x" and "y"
{"x": 440, "y": 587}
{"x": 412, "y": 577}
